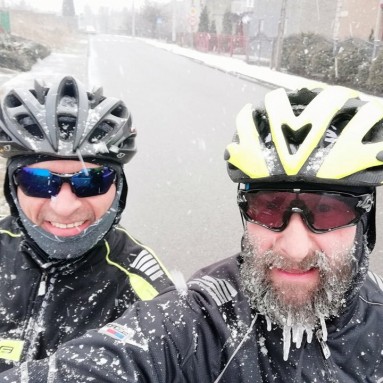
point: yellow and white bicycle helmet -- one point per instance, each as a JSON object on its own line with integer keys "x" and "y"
{"x": 328, "y": 136}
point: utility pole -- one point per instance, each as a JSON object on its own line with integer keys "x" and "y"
{"x": 174, "y": 35}
{"x": 335, "y": 35}
{"x": 133, "y": 20}
{"x": 280, "y": 35}
{"x": 377, "y": 30}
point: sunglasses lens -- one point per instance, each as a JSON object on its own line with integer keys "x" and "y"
{"x": 329, "y": 211}
{"x": 92, "y": 182}
{"x": 42, "y": 183}
{"x": 268, "y": 208}
{"x": 322, "y": 211}
{"x": 37, "y": 182}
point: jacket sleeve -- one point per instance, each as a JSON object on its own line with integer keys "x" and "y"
{"x": 153, "y": 342}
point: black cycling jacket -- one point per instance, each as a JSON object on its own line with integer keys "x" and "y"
{"x": 45, "y": 304}
{"x": 211, "y": 335}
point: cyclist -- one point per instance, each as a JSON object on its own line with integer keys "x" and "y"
{"x": 66, "y": 265}
{"x": 298, "y": 303}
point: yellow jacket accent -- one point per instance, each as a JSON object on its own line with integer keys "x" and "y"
{"x": 149, "y": 250}
{"x": 13, "y": 235}
{"x": 143, "y": 289}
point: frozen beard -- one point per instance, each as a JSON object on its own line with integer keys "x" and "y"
{"x": 296, "y": 309}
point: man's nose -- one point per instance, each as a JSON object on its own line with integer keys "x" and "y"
{"x": 296, "y": 241}
{"x": 66, "y": 202}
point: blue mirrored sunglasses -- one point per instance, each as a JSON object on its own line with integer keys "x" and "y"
{"x": 42, "y": 183}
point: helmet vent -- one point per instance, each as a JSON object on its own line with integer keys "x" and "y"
{"x": 4, "y": 136}
{"x": 262, "y": 125}
{"x": 102, "y": 130}
{"x": 11, "y": 101}
{"x": 128, "y": 143}
{"x": 30, "y": 125}
{"x": 295, "y": 138}
{"x": 69, "y": 89}
{"x": 375, "y": 134}
{"x": 66, "y": 126}
{"x": 119, "y": 111}
{"x": 40, "y": 97}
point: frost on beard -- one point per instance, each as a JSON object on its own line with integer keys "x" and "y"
{"x": 322, "y": 301}
{"x": 295, "y": 333}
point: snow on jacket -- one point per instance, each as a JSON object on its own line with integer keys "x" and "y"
{"x": 211, "y": 335}
{"x": 43, "y": 304}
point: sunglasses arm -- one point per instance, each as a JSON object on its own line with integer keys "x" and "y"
{"x": 242, "y": 219}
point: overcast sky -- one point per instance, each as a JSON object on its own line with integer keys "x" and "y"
{"x": 56, "y": 5}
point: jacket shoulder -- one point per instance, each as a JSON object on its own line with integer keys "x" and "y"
{"x": 372, "y": 290}
{"x": 9, "y": 228}
{"x": 219, "y": 287}
{"x": 226, "y": 268}
{"x": 147, "y": 275}
{"x": 219, "y": 281}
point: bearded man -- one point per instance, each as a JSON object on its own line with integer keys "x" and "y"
{"x": 298, "y": 303}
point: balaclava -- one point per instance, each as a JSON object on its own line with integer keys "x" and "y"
{"x": 56, "y": 247}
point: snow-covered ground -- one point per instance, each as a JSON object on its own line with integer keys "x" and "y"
{"x": 239, "y": 67}
{"x": 75, "y": 62}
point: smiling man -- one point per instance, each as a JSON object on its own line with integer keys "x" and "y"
{"x": 297, "y": 304}
{"x": 299, "y": 255}
{"x": 66, "y": 265}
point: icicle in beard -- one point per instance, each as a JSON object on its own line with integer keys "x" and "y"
{"x": 297, "y": 316}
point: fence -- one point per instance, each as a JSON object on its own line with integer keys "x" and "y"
{"x": 256, "y": 49}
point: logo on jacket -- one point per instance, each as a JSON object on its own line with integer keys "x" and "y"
{"x": 11, "y": 349}
{"x": 124, "y": 334}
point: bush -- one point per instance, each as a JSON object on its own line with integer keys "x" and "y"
{"x": 294, "y": 58}
{"x": 307, "y": 54}
{"x": 20, "y": 54}
{"x": 363, "y": 74}
{"x": 321, "y": 64}
{"x": 312, "y": 56}
{"x": 375, "y": 78}
{"x": 351, "y": 57}
{"x": 13, "y": 60}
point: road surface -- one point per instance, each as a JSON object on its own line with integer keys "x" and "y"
{"x": 181, "y": 201}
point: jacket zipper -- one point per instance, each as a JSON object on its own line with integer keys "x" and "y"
{"x": 34, "y": 323}
{"x": 325, "y": 349}
{"x": 43, "y": 285}
{"x": 326, "y": 354}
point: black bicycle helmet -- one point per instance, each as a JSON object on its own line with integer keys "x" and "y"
{"x": 66, "y": 121}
